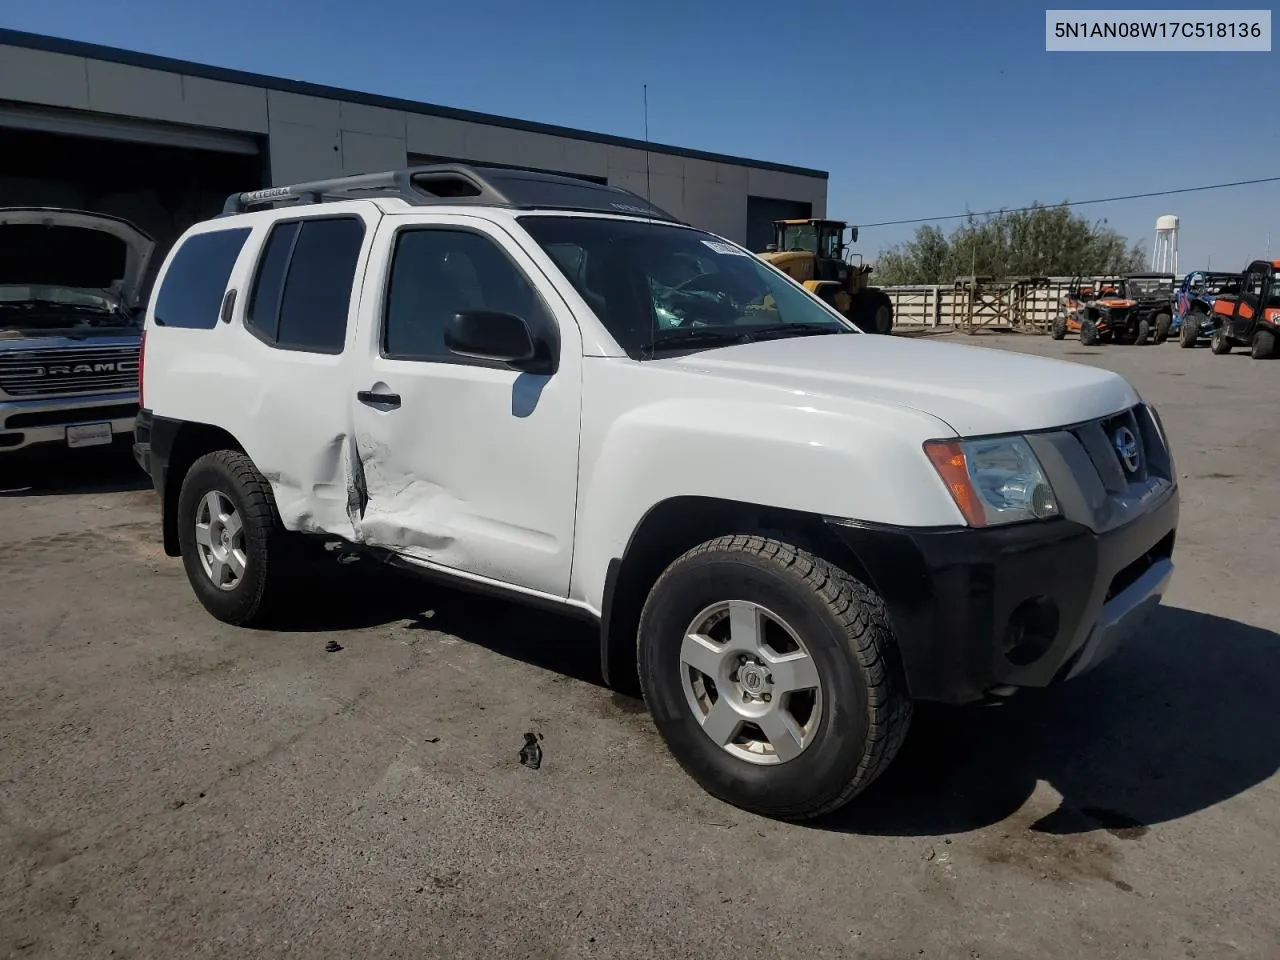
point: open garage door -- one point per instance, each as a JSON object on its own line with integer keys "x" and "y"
{"x": 762, "y": 211}
{"x": 101, "y": 126}
{"x": 163, "y": 188}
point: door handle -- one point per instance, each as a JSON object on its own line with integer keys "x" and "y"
{"x": 378, "y": 399}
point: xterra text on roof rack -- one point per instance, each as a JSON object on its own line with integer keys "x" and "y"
{"x": 790, "y": 531}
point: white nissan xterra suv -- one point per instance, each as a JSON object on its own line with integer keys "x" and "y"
{"x": 551, "y": 388}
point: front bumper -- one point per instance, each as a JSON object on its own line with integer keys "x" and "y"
{"x": 1027, "y": 605}
{"x": 27, "y": 422}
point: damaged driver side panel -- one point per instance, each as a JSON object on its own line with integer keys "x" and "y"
{"x": 496, "y": 503}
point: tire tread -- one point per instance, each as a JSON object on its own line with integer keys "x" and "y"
{"x": 262, "y": 526}
{"x": 862, "y": 616}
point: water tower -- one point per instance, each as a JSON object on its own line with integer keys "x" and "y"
{"x": 1164, "y": 253}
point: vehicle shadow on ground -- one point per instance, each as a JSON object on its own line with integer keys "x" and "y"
{"x": 332, "y": 596}
{"x": 110, "y": 470}
{"x": 1182, "y": 718}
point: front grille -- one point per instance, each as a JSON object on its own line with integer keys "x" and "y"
{"x": 1144, "y": 453}
{"x": 69, "y": 370}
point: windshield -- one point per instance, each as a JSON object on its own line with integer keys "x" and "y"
{"x": 657, "y": 287}
{"x": 802, "y": 236}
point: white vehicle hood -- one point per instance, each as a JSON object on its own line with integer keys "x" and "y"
{"x": 974, "y": 390}
{"x": 59, "y": 262}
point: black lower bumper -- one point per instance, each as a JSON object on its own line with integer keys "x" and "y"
{"x": 1026, "y": 605}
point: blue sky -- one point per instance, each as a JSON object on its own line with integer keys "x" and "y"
{"x": 916, "y": 109}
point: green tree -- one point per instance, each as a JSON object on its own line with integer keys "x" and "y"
{"x": 1040, "y": 241}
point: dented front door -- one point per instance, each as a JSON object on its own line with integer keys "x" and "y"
{"x": 467, "y": 465}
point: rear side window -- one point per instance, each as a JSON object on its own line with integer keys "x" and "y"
{"x": 302, "y": 293}
{"x": 194, "y": 285}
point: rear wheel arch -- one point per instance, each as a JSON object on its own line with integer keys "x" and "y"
{"x": 191, "y": 442}
{"x": 669, "y": 529}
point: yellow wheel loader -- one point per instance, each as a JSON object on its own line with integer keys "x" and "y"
{"x": 814, "y": 253}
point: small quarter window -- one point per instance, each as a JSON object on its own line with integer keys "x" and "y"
{"x": 191, "y": 294}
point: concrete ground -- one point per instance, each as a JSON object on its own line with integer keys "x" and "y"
{"x": 171, "y": 787}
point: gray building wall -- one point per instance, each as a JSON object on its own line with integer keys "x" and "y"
{"x": 328, "y": 133}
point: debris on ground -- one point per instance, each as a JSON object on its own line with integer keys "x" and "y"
{"x": 531, "y": 752}
{"x": 333, "y": 646}
{"x": 433, "y": 740}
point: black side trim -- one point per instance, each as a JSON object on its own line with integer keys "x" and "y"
{"x": 468, "y": 585}
{"x": 154, "y": 438}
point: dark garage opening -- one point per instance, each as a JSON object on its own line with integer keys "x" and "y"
{"x": 762, "y": 211}
{"x": 161, "y": 189}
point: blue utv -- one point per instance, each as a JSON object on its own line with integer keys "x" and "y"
{"x": 1193, "y": 304}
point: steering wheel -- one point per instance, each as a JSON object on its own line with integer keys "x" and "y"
{"x": 689, "y": 302}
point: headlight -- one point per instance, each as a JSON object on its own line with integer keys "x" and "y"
{"x": 993, "y": 481}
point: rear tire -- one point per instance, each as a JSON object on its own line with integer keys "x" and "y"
{"x": 1219, "y": 343}
{"x": 1264, "y": 345}
{"x": 1189, "y": 332}
{"x": 847, "y": 713}
{"x": 873, "y": 311}
{"x": 1163, "y": 322}
{"x": 231, "y": 537}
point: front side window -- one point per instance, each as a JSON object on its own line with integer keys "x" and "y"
{"x": 302, "y": 293}
{"x": 659, "y": 288}
{"x": 437, "y": 272}
{"x": 831, "y": 249}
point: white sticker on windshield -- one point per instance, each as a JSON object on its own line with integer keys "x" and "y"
{"x": 719, "y": 247}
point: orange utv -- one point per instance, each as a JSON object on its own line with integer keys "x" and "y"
{"x": 1134, "y": 309}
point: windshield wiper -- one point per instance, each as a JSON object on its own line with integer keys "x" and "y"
{"x": 794, "y": 330}
{"x": 678, "y": 339}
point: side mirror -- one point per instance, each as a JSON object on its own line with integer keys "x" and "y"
{"x": 503, "y": 337}
{"x": 853, "y": 234}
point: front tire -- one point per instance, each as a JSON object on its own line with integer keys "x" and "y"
{"x": 1059, "y": 329}
{"x": 772, "y": 676}
{"x": 1088, "y": 332}
{"x": 873, "y": 312}
{"x": 1143, "y": 334}
{"x": 231, "y": 537}
{"x": 1163, "y": 322}
{"x": 1189, "y": 332}
{"x": 1264, "y": 345}
{"x": 1219, "y": 344}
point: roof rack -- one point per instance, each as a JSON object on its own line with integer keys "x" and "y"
{"x": 453, "y": 184}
